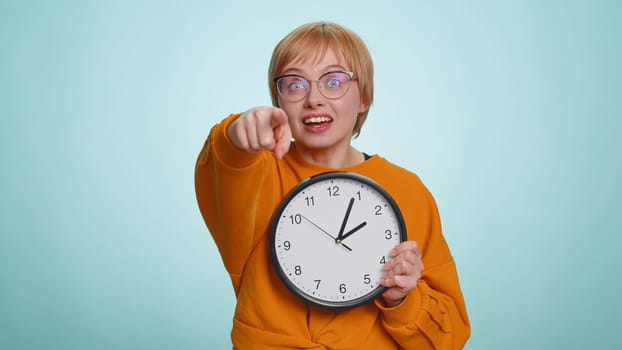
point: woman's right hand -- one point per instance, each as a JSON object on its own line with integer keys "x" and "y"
{"x": 262, "y": 128}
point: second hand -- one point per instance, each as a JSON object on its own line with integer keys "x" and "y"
{"x": 328, "y": 234}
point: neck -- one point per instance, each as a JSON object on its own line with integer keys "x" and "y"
{"x": 330, "y": 158}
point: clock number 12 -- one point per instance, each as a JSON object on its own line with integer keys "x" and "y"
{"x": 333, "y": 191}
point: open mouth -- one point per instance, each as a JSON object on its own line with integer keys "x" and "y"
{"x": 317, "y": 120}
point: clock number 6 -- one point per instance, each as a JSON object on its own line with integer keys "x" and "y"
{"x": 342, "y": 288}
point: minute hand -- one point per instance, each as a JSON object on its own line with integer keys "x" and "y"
{"x": 345, "y": 221}
{"x": 352, "y": 231}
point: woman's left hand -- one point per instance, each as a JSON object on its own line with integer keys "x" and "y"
{"x": 402, "y": 272}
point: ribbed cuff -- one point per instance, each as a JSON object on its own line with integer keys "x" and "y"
{"x": 407, "y": 309}
{"x": 226, "y": 151}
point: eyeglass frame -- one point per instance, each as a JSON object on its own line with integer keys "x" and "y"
{"x": 320, "y": 88}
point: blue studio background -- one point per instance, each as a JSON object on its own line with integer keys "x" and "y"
{"x": 508, "y": 110}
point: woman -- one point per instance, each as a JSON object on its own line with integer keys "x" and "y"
{"x": 321, "y": 85}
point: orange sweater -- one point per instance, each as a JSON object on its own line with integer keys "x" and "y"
{"x": 238, "y": 192}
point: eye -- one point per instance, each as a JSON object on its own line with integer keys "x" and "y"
{"x": 334, "y": 80}
{"x": 333, "y": 83}
{"x": 292, "y": 84}
{"x": 296, "y": 85}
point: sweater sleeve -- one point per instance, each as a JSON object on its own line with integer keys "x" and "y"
{"x": 228, "y": 183}
{"x": 433, "y": 315}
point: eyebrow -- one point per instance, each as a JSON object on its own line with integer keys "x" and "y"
{"x": 329, "y": 68}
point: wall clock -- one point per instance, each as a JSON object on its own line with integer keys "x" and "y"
{"x": 332, "y": 235}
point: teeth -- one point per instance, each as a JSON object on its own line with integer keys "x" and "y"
{"x": 317, "y": 120}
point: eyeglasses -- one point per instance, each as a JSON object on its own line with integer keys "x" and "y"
{"x": 332, "y": 85}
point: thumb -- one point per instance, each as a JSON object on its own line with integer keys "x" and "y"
{"x": 282, "y": 133}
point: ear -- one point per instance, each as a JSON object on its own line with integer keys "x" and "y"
{"x": 363, "y": 107}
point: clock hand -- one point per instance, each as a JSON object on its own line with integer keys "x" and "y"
{"x": 352, "y": 231}
{"x": 328, "y": 234}
{"x": 345, "y": 220}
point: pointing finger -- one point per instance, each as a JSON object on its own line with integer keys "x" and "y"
{"x": 282, "y": 133}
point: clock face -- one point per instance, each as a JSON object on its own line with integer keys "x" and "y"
{"x": 331, "y": 237}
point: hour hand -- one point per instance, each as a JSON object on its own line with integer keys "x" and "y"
{"x": 352, "y": 231}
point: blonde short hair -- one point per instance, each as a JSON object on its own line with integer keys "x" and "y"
{"x": 311, "y": 41}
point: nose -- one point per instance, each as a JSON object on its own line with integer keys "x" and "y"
{"x": 314, "y": 96}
